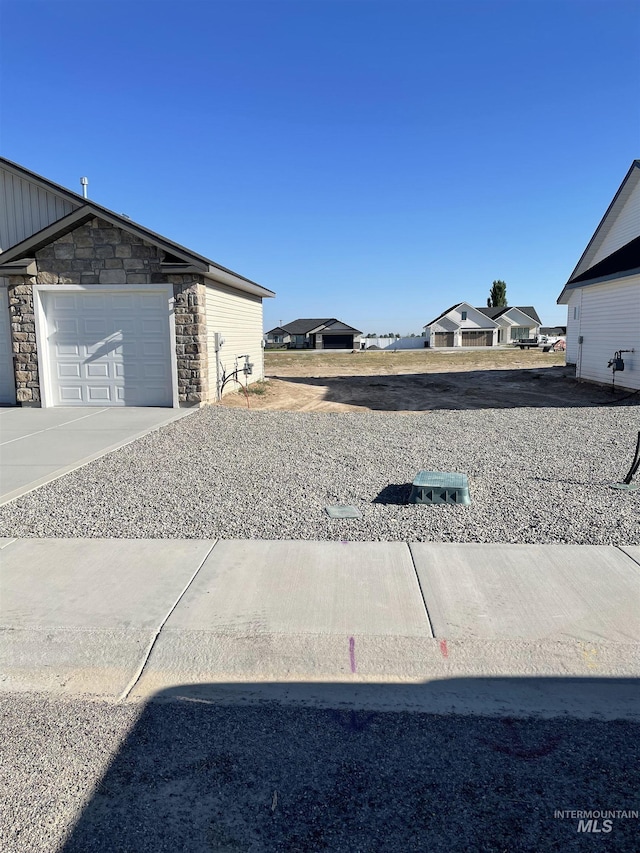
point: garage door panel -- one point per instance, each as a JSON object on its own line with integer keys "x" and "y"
{"x": 67, "y": 371}
{"x": 152, "y": 301}
{"x": 96, "y": 370}
{"x": 154, "y": 371}
{"x": 125, "y": 326}
{"x": 95, "y": 326}
{"x": 63, "y": 302}
{"x": 151, "y": 349}
{"x": 123, "y": 302}
{"x": 65, "y": 326}
{"x": 70, "y": 393}
{"x": 96, "y": 305}
{"x": 152, "y": 327}
{"x": 115, "y": 354}
{"x": 477, "y": 338}
{"x": 62, "y": 350}
{"x": 100, "y": 394}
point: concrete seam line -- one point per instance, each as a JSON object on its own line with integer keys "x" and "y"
{"x": 424, "y": 601}
{"x": 55, "y": 426}
{"x": 154, "y": 639}
{"x": 75, "y": 466}
{"x": 633, "y": 559}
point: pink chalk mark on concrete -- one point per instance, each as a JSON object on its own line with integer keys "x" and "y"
{"x": 444, "y": 649}
{"x": 352, "y": 653}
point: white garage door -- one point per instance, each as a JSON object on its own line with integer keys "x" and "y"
{"x": 108, "y": 348}
{"x": 7, "y": 383}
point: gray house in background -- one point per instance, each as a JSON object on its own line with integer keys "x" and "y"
{"x": 327, "y": 333}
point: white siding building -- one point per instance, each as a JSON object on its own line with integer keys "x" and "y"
{"x": 96, "y": 310}
{"x": 462, "y": 325}
{"x": 603, "y": 294}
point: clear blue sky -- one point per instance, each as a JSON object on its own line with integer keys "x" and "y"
{"x": 372, "y": 161}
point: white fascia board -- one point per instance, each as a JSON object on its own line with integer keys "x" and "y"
{"x": 607, "y": 222}
{"x": 237, "y": 283}
{"x": 218, "y": 276}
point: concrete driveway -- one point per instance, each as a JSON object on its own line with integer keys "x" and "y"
{"x": 40, "y": 445}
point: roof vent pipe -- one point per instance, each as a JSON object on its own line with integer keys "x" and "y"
{"x": 85, "y": 184}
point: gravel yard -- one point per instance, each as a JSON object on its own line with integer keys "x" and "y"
{"x": 536, "y": 475}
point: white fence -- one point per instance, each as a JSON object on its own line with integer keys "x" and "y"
{"x": 395, "y": 343}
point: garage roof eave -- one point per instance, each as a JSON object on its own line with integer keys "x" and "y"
{"x": 563, "y": 299}
{"x": 231, "y": 279}
{"x": 26, "y": 266}
{"x": 218, "y": 274}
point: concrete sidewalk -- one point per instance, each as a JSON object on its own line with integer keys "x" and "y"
{"x": 122, "y": 619}
{"x": 40, "y": 445}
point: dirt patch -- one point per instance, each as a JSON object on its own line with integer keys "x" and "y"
{"x": 418, "y": 381}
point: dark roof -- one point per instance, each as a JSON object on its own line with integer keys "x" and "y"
{"x": 435, "y": 320}
{"x": 88, "y": 209}
{"x": 304, "y": 326}
{"x": 339, "y": 326}
{"x": 494, "y": 313}
{"x": 624, "y": 259}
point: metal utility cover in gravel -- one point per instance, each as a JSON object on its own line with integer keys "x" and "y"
{"x": 439, "y": 487}
{"x": 537, "y": 475}
{"x": 342, "y": 511}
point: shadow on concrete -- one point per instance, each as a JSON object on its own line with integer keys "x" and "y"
{"x": 346, "y": 768}
{"x": 547, "y": 387}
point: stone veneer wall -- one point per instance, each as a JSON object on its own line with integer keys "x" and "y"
{"x": 23, "y": 335}
{"x": 191, "y": 337}
{"x": 99, "y": 253}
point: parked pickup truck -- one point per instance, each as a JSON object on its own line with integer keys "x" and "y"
{"x": 544, "y": 342}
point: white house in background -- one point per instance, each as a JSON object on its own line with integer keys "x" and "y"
{"x": 96, "y": 310}
{"x": 514, "y": 324}
{"x": 462, "y": 325}
{"x": 603, "y": 293}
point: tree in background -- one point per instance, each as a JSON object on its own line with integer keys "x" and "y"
{"x": 497, "y": 295}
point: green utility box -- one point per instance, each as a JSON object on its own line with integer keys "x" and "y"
{"x": 437, "y": 487}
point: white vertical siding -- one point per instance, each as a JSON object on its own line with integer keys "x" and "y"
{"x": 610, "y": 321}
{"x": 238, "y": 317}
{"x": 26, "y": 208}
{"x": 625, "y": 228}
